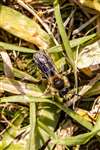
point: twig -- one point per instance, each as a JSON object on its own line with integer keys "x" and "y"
{"x": 76, "y": 31}
{"x": 83, "y": 90}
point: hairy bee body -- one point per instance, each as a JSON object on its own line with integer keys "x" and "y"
{"x": 45, "y": 64}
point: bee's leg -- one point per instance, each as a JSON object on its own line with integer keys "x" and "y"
{"x": 65, "y": 71}
{"x": 47, "y": 90}
{"x": 50, "y": 90}
{"x": 64, "y": 77}
{"x": 53, "y": 91}
{"x": 66, "y": 81}
{"x": 48, "y": 87}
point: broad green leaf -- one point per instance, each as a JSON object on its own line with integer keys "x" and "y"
{"x": 23, "y": 27}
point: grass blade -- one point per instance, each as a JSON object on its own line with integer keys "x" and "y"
{"x": 63, "y": 32}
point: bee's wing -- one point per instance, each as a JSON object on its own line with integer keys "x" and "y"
{"x": 44, "y": 63}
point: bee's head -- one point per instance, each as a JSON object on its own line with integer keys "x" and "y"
{"x": 63, "y": 91}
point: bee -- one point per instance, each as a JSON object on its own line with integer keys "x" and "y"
{"x": 47, "y": 67}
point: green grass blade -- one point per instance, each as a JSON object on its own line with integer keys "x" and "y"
{"x": 69, "y": 141}
{"x": 63, "y": 32}
{"x": 13, "y": 47}
{"x": 32, "y": 140}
